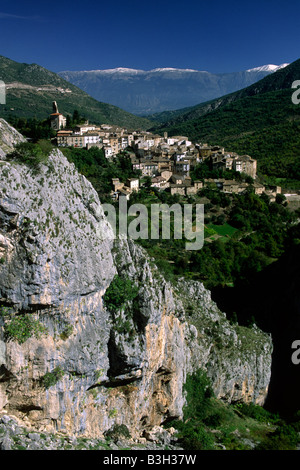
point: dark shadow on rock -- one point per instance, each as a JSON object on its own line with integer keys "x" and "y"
{"x": 272, "y": 298}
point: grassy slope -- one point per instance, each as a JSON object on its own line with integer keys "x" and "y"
{"x": 32, "y": 102}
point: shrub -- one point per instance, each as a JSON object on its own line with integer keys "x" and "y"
{"x": 197, "y": 438}
{"x": 192, "y": 431}
{"x": 22, "y": 327}
{"x": 67, "y": 332}
{"x": 284, "y": 438}
{"x": 199, "y": 392}
{"x": 118, "y": 431}
{"x": 258, "y": 413}
{"x": 214, "y": 420}
{"x": 4, "y": 311}
{"x": 45, "y": 146}
{"x": 51, "y": 378}
{"x": 120, "y": 291}
{"x": 28, "y": 153}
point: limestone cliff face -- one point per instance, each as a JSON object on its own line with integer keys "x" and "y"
{"x": 82, "y": 368}
{"x": 8, "y": 138}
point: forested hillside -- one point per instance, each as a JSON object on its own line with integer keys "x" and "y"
{"x": 260, "y": 120}
{"x": 30, "y": 90}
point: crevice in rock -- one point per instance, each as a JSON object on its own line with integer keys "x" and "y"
{"x": 117, "y": 360}
{"x": 139, "y": 319}
{"x": 5, "y": 374}
{"x": 115, "y": 382}
{"x": 35, "y": 308}
{"x": 144, "y": 420}
{"x": 169, "y": 418}
{"x": 162, "y": 371}
{"x": 27, "y": 408}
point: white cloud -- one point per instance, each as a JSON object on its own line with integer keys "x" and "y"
{"x": 16, "y": 17}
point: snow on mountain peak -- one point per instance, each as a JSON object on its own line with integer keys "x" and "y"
{"x": 128, "y": 71}
{"x": 268, "y": 68}
{"x": 170, "y": 69}
{"x": 120, "y": 70}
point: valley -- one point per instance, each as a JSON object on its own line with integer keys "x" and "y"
{"x": 143, "y": 344}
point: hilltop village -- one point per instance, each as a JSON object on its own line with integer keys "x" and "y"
{"x": 168, "y": 161}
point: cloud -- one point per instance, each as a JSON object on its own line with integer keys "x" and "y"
{"x": 16, "y": 17}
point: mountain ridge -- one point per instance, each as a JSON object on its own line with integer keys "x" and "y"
{"x": 267, "y": 68}
{"x": 145, "y": 92}
{"x": 31, "y": 89}
{"x": 282, "y": 79}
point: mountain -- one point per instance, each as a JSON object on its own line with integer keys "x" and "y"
{"x": 260, "y": 120}
{"x": 268, "y": 68}
{"x": 31, "y": 89}
{"x": 146, "y": 92}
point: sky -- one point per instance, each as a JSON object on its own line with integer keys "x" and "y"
{"x": 217, "y": 36}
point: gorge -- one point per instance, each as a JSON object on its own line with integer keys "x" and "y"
{"x": 72, "y": 362}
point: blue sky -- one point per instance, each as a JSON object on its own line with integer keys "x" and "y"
{"x": 217, "y": 36}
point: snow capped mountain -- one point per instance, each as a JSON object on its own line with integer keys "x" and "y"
{"x": 170, "y": 69}
{"x": 143, "y": 92}
{"x": 128, "y": 71}
{"x": 268, "y": 68}
{"x": 122, "y": 70}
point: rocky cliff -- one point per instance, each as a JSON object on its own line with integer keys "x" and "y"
{"x": 71, "y": 361}
{"x": 8, "y": 138}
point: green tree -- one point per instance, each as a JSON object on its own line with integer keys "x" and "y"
{"x": 76, "y": 117}
{"x": 120, "y": 291}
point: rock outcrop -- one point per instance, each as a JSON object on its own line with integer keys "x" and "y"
{"x": 8, "y": 138}
{"x": 68, "y": 363}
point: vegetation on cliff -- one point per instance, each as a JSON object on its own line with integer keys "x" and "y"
{"x": 210, "y": 424}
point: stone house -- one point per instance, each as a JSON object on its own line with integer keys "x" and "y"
{"x": 178, "y": 189}
{"x": 84, "y": 128}
{"x": 259, "y": 188}
{"x": 245, "y": 164}
{"x": 198, "y": 185}
{"x": 133, "y": 184}
{"x": 61, "y": 137}
{"x": 83, "y": 140}
{"x": 177, "y": 179}
{"x": 159, "y": 182}
{"x": 147, "y": 167}
{"x": 166, "y": 174}
{"x": 122, "y": 190}
{"x": 232, "y": 186}
{"x": 114, "y": 144}
{"x": 117, "y": 184}
{"x": 205, "y": 151}
{"x": 185, "y": 186}
{"x": 182, "y": 167}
